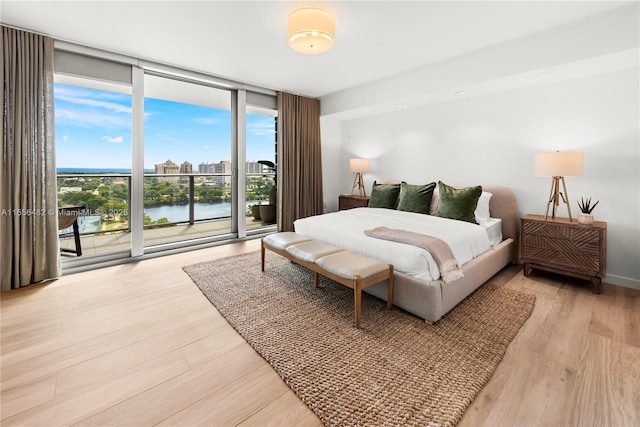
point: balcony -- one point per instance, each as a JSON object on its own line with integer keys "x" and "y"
{"x": 178, "y": 207}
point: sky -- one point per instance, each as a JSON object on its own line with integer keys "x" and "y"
{"x": 93, "y": 130}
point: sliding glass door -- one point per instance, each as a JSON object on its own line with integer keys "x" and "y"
{"x": 187, "y": 161}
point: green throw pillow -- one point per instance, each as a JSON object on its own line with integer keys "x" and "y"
{"x": 384, "y": 195}
{"x": 458, "y": 203}
{"x": 415, "y": 198}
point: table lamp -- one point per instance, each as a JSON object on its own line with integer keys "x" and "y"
{"x": 359, "y": 166}
{"x": 557, "y": 165}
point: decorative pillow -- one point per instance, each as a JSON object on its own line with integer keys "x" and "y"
{"x": 384, "y": 195}
{"x": 415, "y": 198}
{"x": 458, "y": 203}
{"x": 482, "y": 209}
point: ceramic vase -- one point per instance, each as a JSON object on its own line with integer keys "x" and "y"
{"x": 584, "y": 218}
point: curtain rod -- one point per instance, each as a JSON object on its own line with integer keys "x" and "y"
{"x": 26, "y": 30}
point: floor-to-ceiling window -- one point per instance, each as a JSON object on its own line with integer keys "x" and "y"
{"x": 261, "y": 178}
{"x": 158, "y": 160}
{"x": 187, "y": 161}
{"x": 93, "y": 161}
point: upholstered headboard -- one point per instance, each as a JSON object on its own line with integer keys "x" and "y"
{"x": 503, "y": 205}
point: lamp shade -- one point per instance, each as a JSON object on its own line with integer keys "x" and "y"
{"x": 567, "y": 163}
{"x": 311, "y": 30}
{"x": 359, "y": 165}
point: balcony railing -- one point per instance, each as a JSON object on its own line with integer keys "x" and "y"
{"x": 107, "y": 197}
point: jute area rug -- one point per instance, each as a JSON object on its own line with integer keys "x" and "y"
{"x": 396, "y": 370}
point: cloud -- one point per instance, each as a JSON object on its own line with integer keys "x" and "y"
{"x": 113, "y": 139}
{"x": 100, "y": 98}
{"x": 92, "y": 108}
{"x": 84, "y": 118}
{"x": 169, "y": 138}
{"x": 65, "y": 138}
{"x": 111, "y": 106}
{"x": 205, "y": 121}
{"x": 261, "y": 127}
{"x": 205, "y": 147}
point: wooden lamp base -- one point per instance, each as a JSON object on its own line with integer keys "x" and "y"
{"x": 359, "y": 183}
{"x": 555, "y": 195}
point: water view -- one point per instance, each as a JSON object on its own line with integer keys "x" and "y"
{"x": 180, "y": 213}
{"x": 176, "y": 213}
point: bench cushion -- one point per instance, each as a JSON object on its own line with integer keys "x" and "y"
{"x": 283, "y": 240}
{"x": 349, "y": 265}
{"x": 312, "y": 250}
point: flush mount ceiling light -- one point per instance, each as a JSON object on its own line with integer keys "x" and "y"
{"x": 311, "y": 30}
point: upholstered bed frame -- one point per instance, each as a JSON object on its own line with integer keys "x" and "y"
{"x": 431, "y": 300}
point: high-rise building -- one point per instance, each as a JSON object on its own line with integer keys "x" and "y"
{"x": 254, "y": 167}
{"x": 167, "y": 167}
{"x": 186, "y": 167}
{"x": 223, "y": 167}
{"x": 206, "y": 167}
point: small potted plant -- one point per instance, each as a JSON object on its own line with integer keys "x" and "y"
{"x": 255, "y": 211}
{"x": 585, "y": 217}
{"x": 268, "y": 212}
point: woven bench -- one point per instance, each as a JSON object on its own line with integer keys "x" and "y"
{"x": 347, "y": 268}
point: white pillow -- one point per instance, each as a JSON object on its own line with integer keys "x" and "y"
{"x": 435, "y": 199}
{"x": 482, "y": 208}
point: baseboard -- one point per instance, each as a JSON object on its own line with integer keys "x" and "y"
{"x": 622, "y": 281}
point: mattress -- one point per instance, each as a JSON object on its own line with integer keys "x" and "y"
{"x": 346, "y": 228}
{"x": 493, "y": 227}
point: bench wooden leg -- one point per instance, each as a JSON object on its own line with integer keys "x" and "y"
{"x": 262, "y": 255}
{"x": 390, "y": 288}
{"x": 357, "y": 295}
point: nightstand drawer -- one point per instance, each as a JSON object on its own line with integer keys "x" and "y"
{"x": 577, "y": 247}
{"x": 587, "y": 264}
{"x": 571, "y": 233}
{"x": 347, "y": 201}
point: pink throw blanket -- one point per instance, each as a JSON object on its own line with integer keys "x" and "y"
{"x": 438, "y": 248}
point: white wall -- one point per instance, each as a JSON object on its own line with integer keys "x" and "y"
{"x": 492, "y": 140}
{"x": 331, "y": 162}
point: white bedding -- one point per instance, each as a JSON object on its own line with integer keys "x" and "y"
{"x": 346, "y": 230}
{"x": 493, "y": 227}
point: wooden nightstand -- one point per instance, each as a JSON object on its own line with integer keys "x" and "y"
{"x": 350, "y": 201}
{"x": 565, "y": 247}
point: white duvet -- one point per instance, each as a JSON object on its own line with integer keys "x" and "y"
{"x": 346, "y": 230}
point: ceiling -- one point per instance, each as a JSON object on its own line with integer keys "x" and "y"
{"x": 247, "y": 40}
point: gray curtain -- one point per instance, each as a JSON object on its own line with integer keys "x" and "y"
{"x": 300, "y": 168}
{"x": 29, "y": 249}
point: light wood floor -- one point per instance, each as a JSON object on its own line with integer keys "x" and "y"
{"x": 139, "y": 345}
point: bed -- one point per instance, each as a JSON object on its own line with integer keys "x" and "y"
{"x": 418, "y": 288}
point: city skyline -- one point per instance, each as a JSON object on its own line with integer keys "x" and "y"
{"x": 186, "y": 167}
{"x": 93, "y": 130}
